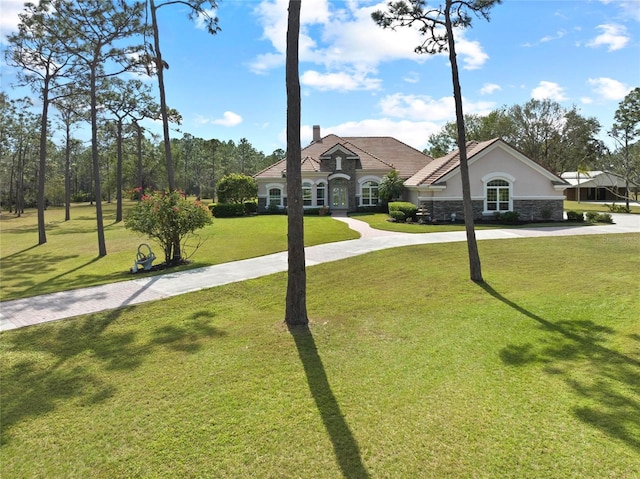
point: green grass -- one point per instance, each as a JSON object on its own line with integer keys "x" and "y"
{"x": 599, "y": 207}
{"x": 381, "y": 221}
{"x": 70, "y": 259}
{"x": 407, "y": 370}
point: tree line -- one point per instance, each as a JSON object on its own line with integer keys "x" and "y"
{"x": 198, "y": 163}
{"x": 73, "y": 55}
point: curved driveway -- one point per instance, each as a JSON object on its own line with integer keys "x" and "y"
{"x": 65, "y": 304}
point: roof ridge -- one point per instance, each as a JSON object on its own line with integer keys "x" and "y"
{"x": 390, "y": 165}
{"x": 269, "y": 167}
{"x": 394, "y": 139}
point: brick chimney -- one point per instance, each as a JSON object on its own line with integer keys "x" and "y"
{"x": 316, "y": 133}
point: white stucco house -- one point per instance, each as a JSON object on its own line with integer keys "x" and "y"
{"x": 344, "y": 173}
{"x": 501, "y": 177}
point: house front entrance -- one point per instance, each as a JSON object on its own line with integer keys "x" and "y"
{"x": 339, "y": 195}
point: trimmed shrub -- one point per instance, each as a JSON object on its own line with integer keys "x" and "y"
{"x": 319, "y": 211}
{"x": 226, "y": 210}
{"x": 408, "y": 209}
{"x": 575, "y": 216}
{"x": 236, "y": 188}
{"x": 508, "y": 217}
{"x": 251, "y": 207}
{"x": 595, "y": 217}
{"x": 397, "y": 216}
{"x": 274, "y": 209}
{"x": 618, "y": 208}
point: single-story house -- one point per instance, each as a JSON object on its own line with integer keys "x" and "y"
{"x": 341, "y": 173}
{"x": 344, "y": 173}
{"x": 595, "y": 186}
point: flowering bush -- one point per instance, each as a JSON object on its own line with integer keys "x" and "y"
{"x": 135, "y": 193}
{"x": 168, "y": 218}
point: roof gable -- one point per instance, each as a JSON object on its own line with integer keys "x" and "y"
{"x": 339, "y": 148}
{"x": 444, "y": 168}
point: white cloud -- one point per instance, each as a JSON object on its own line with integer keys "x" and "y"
{"x": 228, "y": 119}
{"x": 412, "y": 77}
{"x": 586, "y": 100}
{"x": 629, "y": 8}
{"x": 473, "y": 57}
{"x": 9, "y": 19}
{"x": 614, "y": 36}
{"x": 424, "y": 108}
{"x": 547, "y": 90}
{"x": 340, "y": 35}
{"x": 340, "y": 81}
{"x": 608, "y": 88}
{"x": 549, "y": 38}
{"x": 489, "y": 88}
{"x": 413, "y": 133}
{"x": 201, "y": 19}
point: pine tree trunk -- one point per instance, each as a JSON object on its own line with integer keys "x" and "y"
{"x": 119, "y": 175}
{"x": 67, "y": 174}
{"x": 475, "y": 268}
{"x": 163, "y": 101}
{"x": 296, "y": 302}
{"x": 42, "y": 168}
{"x": 102, "y": 247}
{"x": 139, "y": 154}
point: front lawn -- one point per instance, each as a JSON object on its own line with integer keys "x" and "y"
{"x": 70, "y": 260}
{"x": 381, "y": 221}
{"x": 408, "y": 370}
{"x": 599, "y": 207}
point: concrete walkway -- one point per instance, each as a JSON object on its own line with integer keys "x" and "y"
{"x": 66, "y": 304}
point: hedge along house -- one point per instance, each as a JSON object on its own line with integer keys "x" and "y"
{"x": 502, "y": 179}
{"x": 341, "y": 173}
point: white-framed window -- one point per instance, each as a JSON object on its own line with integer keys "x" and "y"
{"x": 321, "y": 194}
{"x": 498, "y": 196}
{"x": 275, "y": 197}
{"x": 307, "y": 193}
{"x": 369, "y": 193}
{"x": 338, "y": 163}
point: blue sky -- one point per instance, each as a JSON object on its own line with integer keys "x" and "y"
{"x": 360, "y": 80}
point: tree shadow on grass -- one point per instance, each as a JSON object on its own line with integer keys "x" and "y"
{"x": 606, "y": 379}
{"x": 78, "y": 360}
{"x": 23, "y": 270}
{"x": 345, "y": 446}
{"x": 17, "y": 253}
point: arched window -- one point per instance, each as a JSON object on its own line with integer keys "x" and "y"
{"x": 307, "y": 193}
{"x": 498, "y": 196}
{"x": 321, "y": 194}
{"x": 369, "y": 193}
{"x": 275, "y": 197}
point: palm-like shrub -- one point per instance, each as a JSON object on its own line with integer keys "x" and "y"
{"x": 391, "y": 187}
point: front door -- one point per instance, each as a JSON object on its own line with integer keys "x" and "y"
{"x": 339, "y": 195}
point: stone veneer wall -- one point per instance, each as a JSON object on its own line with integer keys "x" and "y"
{"x": 441, "y": 210}
{"x": 536, "y": 210}
{"x": 529, "y": 210}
